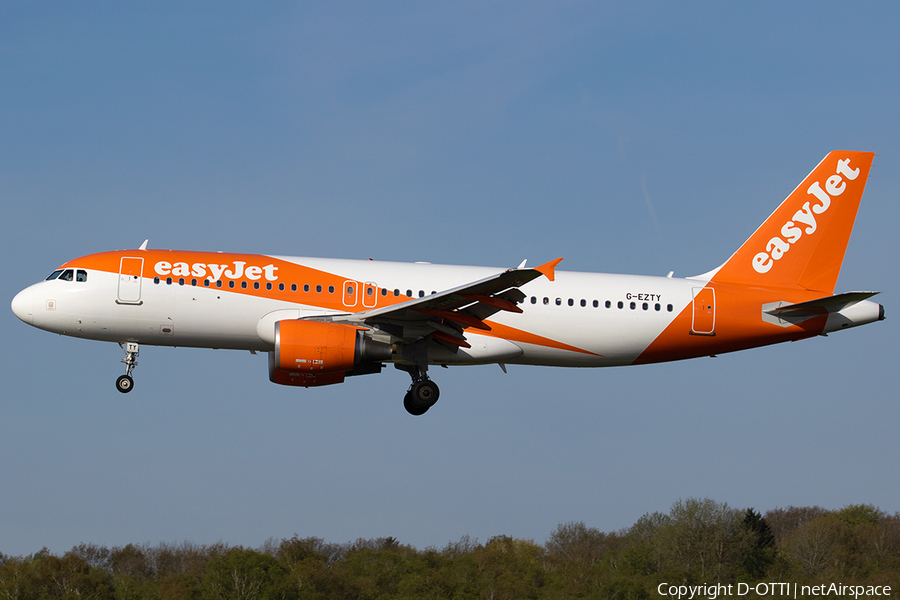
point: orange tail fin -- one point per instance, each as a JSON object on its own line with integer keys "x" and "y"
{"x": 802, "y": 243}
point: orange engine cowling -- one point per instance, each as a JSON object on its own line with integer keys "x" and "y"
{"x": 314, "y": 353}
{"x": 300, "y": 379}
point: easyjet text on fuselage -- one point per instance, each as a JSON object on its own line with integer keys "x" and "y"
{"x": 234, "y": 270}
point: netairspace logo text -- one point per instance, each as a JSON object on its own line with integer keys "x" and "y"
{"x": 777, "y": 590}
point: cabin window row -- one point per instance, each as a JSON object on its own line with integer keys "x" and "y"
{"x": 369, "y": 291}
{"x": 608, "y": 304}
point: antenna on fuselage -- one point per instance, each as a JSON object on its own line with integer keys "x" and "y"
{"x": 144, "y": 245}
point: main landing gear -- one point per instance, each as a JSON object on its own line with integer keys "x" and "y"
{"x": 125, "y": 383}
{"x": 422, "y": 393}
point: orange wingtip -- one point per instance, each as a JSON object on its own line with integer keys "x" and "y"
{"x": 548, "y": 270}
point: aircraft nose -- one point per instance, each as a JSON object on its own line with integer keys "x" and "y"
{"x": 23, "y": 306}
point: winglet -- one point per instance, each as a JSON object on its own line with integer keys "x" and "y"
{"x": 548, "y": 270}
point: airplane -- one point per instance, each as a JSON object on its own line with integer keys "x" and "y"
{"x": 321, "y": 320}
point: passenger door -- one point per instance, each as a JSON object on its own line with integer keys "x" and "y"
{"x": 130, "y": 271}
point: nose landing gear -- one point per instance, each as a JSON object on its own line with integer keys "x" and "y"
{"x": 125, "y": 383}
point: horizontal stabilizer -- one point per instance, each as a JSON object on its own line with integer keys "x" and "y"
{"x": 821, "y": 306}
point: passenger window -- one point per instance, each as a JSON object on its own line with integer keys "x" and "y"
{"x": 421, "y": 293}
{"x": 54, "y": 275}
{"x": 608, "y": 304}
{"x": 349, "y": 290}
{"x": 409, "y": 293}
{"x": 318, "y": 289}
{"x": 369, "y": 291}
{"x": 619, "y": 304}
{"x": 231, "y": 284}
{"x": 218, "y": 283}
{"x": 280, "y": 287}
{"x": 559, "y": 301}
{"x": 633, "y": 305}
{"x": 193, "y": 282}
{"x": 546, "y": 300}
{"x": 293, "y": 287}
{"x": 181, "y": 281}
{"x": 255, "y": 285}
{"x": 645, "y": 306}
{"x": 66, "y": 275}
{"x": 168, "y": 281}
{"x": 305, "y": 287}
{"x": 657, "y": 307}
{"x": 244, "y": 285}
{"x": 396, "y": 292}
{"x": 330, "y": 289}
{"x": 81, "y": 275}
{"x": 269, "y": 286}
{"x": 571, "y": 302}
{"x": 669, "y": 307}
{"x": 534, "y": 299}
{"x": 156, "y": 280}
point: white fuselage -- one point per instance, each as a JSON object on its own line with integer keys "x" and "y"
{"x": 571, "y": 310}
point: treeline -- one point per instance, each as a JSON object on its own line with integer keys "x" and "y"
{"x": 696, "y": 542}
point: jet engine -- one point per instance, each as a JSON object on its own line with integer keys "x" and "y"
{"x": 315, "y": 353}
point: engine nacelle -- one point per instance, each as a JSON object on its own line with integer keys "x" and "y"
{"x": 315, "y": 353}
{"x": 300, "y": 379}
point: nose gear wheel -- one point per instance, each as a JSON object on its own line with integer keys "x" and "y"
{"x": 125, "y": 383}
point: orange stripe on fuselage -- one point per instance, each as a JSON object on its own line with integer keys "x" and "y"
{"x": 517, "y": 335}
{"x": 242, "y": 269}
{"x": 739, "y": 325}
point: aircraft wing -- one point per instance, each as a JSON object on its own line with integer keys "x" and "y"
{"x": 444, "y": 315}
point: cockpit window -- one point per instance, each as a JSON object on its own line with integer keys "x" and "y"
{"x": 54, "y": 275}
{"x": 66, "y": 275}
{"x": 81, "y": 275}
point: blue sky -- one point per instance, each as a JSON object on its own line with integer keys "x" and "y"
{"x": 637, "y": 138}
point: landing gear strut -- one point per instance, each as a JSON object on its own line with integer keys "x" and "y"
{"x": 125, "y": 383}
{"x": 422, "y": 393}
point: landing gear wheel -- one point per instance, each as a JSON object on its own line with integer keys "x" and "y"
{"x": 421, "y": 397}
{"x": 422, "y": 393}
{"x": 124, "y": 383}
{"x": 412, "y": 409}
{"x": 425, "y": 393}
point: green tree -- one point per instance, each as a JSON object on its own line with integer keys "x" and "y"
{"x": 18, "y": 580}
{"x": 759, "y": 553}
{"x": 813, "y": 544}
{"x": 509, "y": 568}
{"x": 702, "y": 539}
{"x": 241, "y": 574}
{"x": 71, "y": 578}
